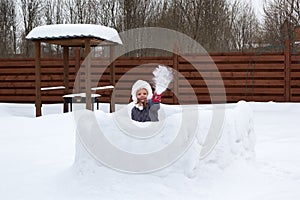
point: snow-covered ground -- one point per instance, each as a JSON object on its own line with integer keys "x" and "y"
{"x": 38, "y": 159}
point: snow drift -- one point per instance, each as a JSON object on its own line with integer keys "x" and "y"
{"x": 235, "y": 140}
{"x": 37, "y": 157}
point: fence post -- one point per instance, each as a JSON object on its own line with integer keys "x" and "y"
{"x": 175, "y": 80}
{"x": 287, "y": 70}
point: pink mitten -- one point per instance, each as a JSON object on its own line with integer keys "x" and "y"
{"x": 156, "y": 97}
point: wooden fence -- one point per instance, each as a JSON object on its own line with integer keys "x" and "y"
{"x": 246, "y": 76}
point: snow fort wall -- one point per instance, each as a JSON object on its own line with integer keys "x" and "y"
{"x": 235, "y": 141}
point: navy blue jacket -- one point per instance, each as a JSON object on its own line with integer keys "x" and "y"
{"x": 150, "y": 113}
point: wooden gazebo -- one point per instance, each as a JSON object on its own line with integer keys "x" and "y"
{"x": 72, "y": 35}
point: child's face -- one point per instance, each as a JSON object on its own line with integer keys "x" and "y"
{"x": 141, "y": 95}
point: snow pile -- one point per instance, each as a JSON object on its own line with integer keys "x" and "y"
{"x": 37, "y": 158}
{"x": 10, "y": 109}
{"x": 235, "y": 141}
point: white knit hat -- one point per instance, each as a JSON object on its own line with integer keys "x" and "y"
{"x": 140, "y": 84}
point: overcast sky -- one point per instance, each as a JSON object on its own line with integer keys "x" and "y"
{"x": 258, "y": 7}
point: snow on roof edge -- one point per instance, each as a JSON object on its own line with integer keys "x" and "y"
{"x": 59, "y": 31}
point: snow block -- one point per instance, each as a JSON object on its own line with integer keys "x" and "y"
{"x": 187, "y": 140}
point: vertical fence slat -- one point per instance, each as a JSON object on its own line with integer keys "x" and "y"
{"x": 175, "y": 81}
{"x": 287, "y": 69}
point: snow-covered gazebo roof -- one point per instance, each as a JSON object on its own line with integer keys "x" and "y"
{"x": 72, "y": 35}
{"x": 75, "y": 34}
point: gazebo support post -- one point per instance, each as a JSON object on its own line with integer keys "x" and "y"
{"x": 77, "y": 67}
{"x": 112, "y": 78}
{"x": 88, "y": 100}
{"x": 66, "y": 73}
{"x": 38, "y": 100}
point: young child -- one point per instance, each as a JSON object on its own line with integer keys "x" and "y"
{"x": 146, "y": 104}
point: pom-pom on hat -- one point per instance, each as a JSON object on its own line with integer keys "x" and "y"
{"x": 140, "y": 84}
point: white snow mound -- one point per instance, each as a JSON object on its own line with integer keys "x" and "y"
{"x": 145, "y": 146}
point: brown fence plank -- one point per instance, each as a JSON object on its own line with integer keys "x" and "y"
{"x": 232, "y": 66}
{"x": 295, "y": 83}
{"x": 240, "y": 90}
{"x": 231, "y": 59}
{"x": 295, "y": 74}
{"x": 138, "y": 61}
{"x": 48, "y": 77}
{"x": 226, "y": 74}
{"x": 295, "y": 98}
{"x": 235, "y": 82}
